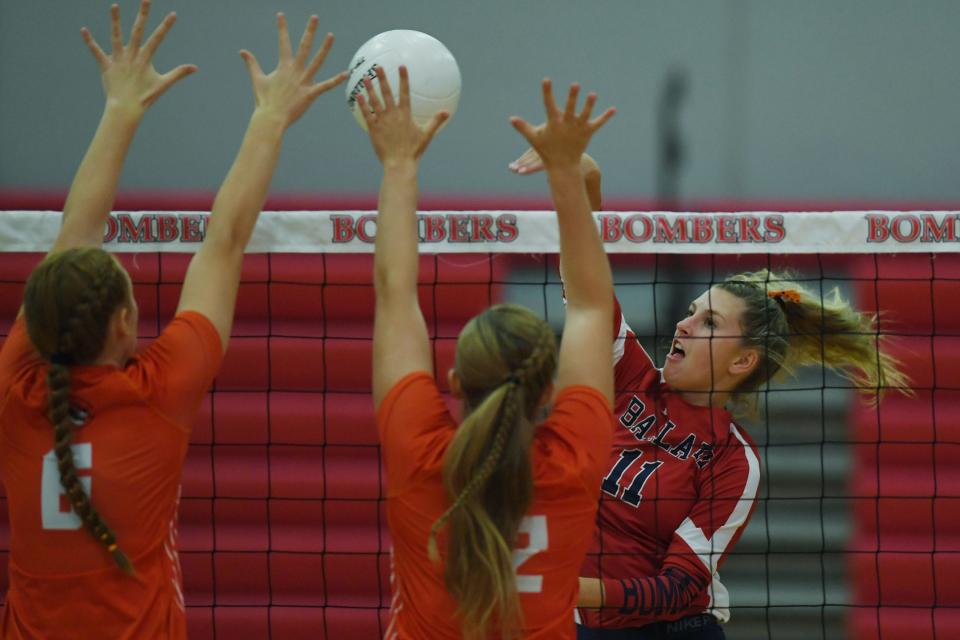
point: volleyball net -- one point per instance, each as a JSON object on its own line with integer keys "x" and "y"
{"x": 282, "y": 526}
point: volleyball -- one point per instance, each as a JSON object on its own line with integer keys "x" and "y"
{"x": 434, "y": 74}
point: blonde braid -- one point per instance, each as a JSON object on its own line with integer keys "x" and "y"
{"x": 515, "y": 380}
{"x": 506, "y": 357}
{"x": 486, "y": 469}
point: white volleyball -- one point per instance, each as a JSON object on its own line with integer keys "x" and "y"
{"x": 433, "y": 71}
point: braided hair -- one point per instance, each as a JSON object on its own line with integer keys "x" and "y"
{"x": 505, "y": 361}
{"x": 68, "y": 302}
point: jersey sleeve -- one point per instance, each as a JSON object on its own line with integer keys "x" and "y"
{"x": 415, "y": 426}
{"x": 633, "y": 368}
{"x": 176, "y": 371}
{"x": 16, "y": 353}
{"x": 728, "y": 491}
{"x": 581, "y": 425}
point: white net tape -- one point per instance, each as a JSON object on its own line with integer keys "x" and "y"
{"x": 523, "y": 232}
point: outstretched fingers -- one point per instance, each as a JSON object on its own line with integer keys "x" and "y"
{"x": 306, "y": 41}
{"x": 570, "y": 110}
{"x": 431, "y": 130}
{"x": 158, "y": 35}
{"x": 405, "y": 88}
{"x": 95, "y": 49}
{"x": 321, "y": 55}
{"x": 385, "y": 89}
{"x": 167, "y": 80}
{"x": 549, "y": 104}
{"x": 602, "y": 119}
{"x": 176, "y": 74}
{"x": 283, "y": 38}
{"x": 375, "y": 105}
{"x": 369, "y": 117}
{"x": 588, "y": 106}
{"x": 136, "y": 35}
{"x": 252, "y": 65}
{"x": 528, "y": 162}
{"x": 330, "y": 83}
{"x": 116, "y": 37}
{"x": 526, "y": 129}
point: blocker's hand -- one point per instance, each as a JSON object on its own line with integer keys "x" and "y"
{"x": 394, "y": 134}
{"x": 563, "y": 138}
{"x": 129, "y": 78}
{"x": 289, "y": 90}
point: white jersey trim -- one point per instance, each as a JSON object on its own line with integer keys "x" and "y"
{"x": 719, "y": 605}
{"x": 711, "y": 550}
{"x": 396, "y": 604}
{"x": 620, "y": 342}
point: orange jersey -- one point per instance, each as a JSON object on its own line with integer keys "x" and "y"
{"x": 569, "y": 456}
{"x": 133, "y": 429}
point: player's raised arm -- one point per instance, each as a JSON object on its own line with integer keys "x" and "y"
{"x": 281, "y": 98}
{"x": 131, "y": 85}
{"x": 400, "y": 341}
{"x": 585, "y": 353}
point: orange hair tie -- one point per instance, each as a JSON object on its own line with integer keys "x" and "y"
{"x": 790, "y": 294}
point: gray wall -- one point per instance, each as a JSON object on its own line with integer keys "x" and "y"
{"x": 789, "y": 98}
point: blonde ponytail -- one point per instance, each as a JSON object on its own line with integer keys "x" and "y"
{"x": 795, "y": 328}
{"x": 505, "y": 362}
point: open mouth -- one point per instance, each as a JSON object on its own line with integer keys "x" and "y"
{"x": 676, "y": 351}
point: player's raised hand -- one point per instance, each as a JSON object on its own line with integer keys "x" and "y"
{"x": 129, "y": 78}
{"x": 563, "y": 138}
{"x": 393, "y": 132}
{"x": 528, "y": 162}
{"x": 289, "y": 90}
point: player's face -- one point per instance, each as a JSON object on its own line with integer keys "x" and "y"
{"x": 707, "y": 351}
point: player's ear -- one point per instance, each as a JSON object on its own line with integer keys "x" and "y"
{"x": 745, "y": 363}
{"x": 453, "y": 381}
{"x": 546, "y": 397}
{"x": 121, "y": 323}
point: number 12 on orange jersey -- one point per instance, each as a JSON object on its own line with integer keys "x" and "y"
{"x": 536, "y": 529}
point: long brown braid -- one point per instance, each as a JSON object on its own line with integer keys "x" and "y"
{"x": 506, "y": 358}
{"x": 69, "y": 301}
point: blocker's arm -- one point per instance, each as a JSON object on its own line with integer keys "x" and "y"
{"x": 400, "y": 341}
{"x": 213, "y": 277}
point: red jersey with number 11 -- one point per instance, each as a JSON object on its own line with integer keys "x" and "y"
{"x": 678, "y": 490}
{"x": 569, "y": 453}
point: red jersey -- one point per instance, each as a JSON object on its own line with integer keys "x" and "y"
{"x": 569, "y": 453}
{"x": 133, "y": 429}
{"x": 679, "y": 488}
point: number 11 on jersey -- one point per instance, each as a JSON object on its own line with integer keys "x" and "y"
{"x": 631, "y": 495}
